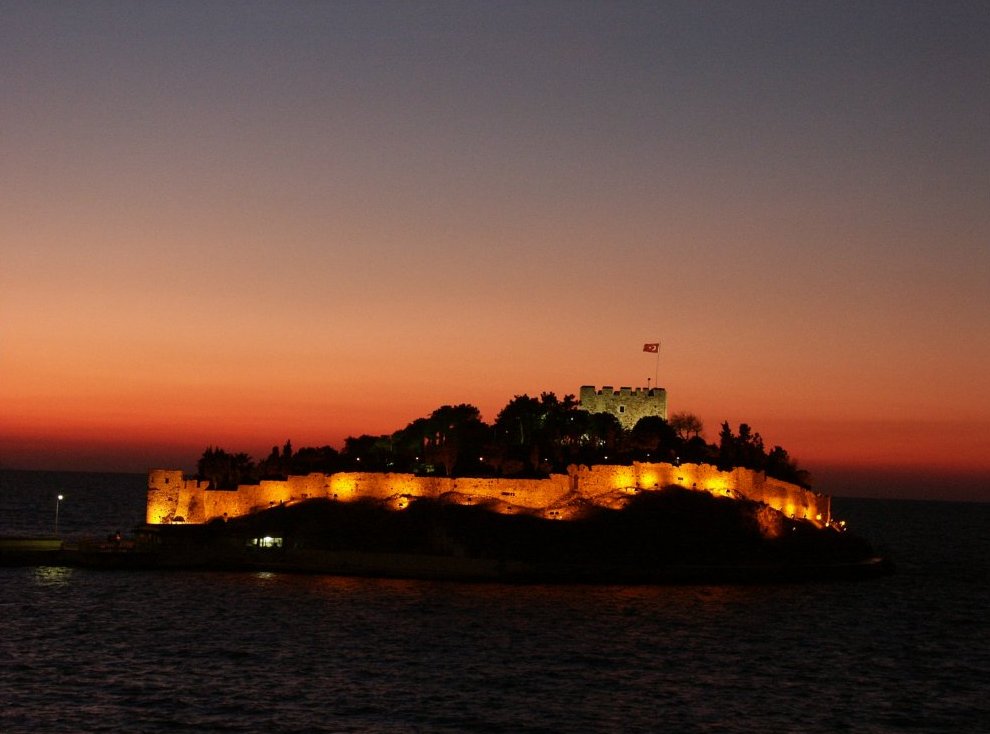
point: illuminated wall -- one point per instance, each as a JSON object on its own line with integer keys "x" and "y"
{"x": 173, "y": 498}
{"x": 627, "y": 404}
{"x": 170, "y": 495}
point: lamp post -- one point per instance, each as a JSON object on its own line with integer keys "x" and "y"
{"x": 58, "y": 501}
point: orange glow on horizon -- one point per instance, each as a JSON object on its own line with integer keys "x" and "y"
{"x": 295, "y": 239}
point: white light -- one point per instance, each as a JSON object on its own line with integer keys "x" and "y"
{"x": 58, "y": 505}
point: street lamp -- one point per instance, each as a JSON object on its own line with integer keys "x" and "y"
{"x": 58, "y": 501}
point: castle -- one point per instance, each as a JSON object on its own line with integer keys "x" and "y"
{"x": 627, "y": 404}
{"x": 172, "y": 498}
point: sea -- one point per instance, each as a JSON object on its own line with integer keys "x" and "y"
{"x": 182, "y": 651}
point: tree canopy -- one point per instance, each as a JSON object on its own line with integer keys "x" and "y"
{"x": 530, "y": 437}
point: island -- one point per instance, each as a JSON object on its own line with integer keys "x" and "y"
{"x": 608, "y": 489}
{"x": 468, "y": 506}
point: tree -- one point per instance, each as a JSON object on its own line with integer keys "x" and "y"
{"x": 530, "y": 436}
{"x": 727, "y": 447}
{"x": 696, "y": 451}
{"x": 277, "y": 465}
{"x": 454, "y": 431}
{"x": 541, "y": 434}
{"x": 518, "y": 427}
{"x": 552, "y": 439}
{"x": 271, "y": 467}
{"x": 519, "y": 421}
{"x": 781, "y": 466}
{"x": 749, "y": 450}
{"x": 686, "y": 425}
{"x": 225, "y": 471}
{"x": 367, "y": 453}
{"x": 606, "y": 434}
{"x": 653, "y": 438}
{"x": 322, "y": 460}
{"x": 410, "y": 444}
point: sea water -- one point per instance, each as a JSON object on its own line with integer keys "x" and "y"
{"x": 89, "y": 651}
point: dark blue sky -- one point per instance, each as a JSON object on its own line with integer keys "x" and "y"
{"x": 512, "y": 197}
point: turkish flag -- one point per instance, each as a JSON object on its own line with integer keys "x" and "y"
{"x": 652, "y": 347}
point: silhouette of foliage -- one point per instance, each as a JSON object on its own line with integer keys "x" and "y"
{"x": 653, "y": 439}
{"x": 686, "y": 425}
{"x": 226, "y": 471}
{"x": 531, "y": 437}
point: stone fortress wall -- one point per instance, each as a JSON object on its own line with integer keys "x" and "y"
{"x": 174, "y": 498}
{"x": 627, "y": 404}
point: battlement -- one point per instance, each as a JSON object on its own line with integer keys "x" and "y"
{"x": 628, "y": 404}
{"x": 622, "y": 391}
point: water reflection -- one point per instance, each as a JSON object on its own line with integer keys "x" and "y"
{"x": 52, "y": 575}
{"x": 88, "y": 650}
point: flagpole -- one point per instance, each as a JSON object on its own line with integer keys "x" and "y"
{"x": 653, "y": 347}
{"x": 656, "y": 374}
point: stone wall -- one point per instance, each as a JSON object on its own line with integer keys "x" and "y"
{"x": 627, "y": 404}
{"x": 173, "y": 498}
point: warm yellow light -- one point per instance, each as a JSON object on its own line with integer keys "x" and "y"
{"x": 605, "y": 483}
{"x": 624, "y": 477}
{"x": 343, "y": 487}
{"x": 718, "y": 485}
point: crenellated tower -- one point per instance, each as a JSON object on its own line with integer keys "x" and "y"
{"x": 628, "y": 404}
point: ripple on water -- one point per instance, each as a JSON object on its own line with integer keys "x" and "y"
{"x": 147, "y": 652}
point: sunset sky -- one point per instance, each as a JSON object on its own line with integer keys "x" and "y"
{"x": 240, "y": 223}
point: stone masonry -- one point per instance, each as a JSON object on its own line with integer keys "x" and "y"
{"x": 627, "y": 404}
